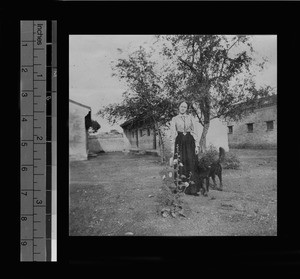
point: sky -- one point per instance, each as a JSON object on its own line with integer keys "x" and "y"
{"x": 90, "y": 56}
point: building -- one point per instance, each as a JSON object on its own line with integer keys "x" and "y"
{"x": 258, "y": 129}
{"x": 140, "y": 135}
{"x": 79, "y": 117}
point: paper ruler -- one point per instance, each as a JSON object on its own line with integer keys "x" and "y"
{"x": 38, "y": 103}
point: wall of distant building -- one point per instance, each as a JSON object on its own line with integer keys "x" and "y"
{"x": 257, "y": 130}
{"x": 142, "y": 137}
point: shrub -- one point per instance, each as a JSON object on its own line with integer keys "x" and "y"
{"x": 208, "y": 157}
{"x": 170, "y": 203}
{"x": 165, "y": 197}
{"x": 231, "y": 161}
{"x": 168, "y": 154}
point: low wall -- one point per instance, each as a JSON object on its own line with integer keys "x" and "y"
{"x": 98, "y": 144}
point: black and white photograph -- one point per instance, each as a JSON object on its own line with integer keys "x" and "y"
{"x": 173, "y": 135}
{"x": 154, "y": 134}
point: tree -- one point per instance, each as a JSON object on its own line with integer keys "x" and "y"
{"x": 145, "y": 98}
{"x": 90, "y": 123}
{"x": 214, "y": 72}
{"x": 95, "y": 126}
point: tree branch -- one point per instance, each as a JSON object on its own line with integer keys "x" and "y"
{"x": 193, "y": 57}
{"x": 225, "y": 58}
{"x": 216, "y": 116}
{"x": 233, "y": 45}
{"x": 199, "y": 118}
{"x": 188, "y": 64}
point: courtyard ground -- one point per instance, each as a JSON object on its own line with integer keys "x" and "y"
{"x": 118, "y": 194}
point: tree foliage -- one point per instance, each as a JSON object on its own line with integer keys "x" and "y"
{"x": 144, "y": 98}
{"x": 215, "y": 73}
{"x": 95, "y": 126}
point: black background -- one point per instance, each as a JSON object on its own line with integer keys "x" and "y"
{"x": 251, "y": 255}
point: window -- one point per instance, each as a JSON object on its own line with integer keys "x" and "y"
{"x": 250, "y": 127}
{"x": 148, "y": 132}
{"x": 230, "y": 129}
{"x": 270, "y": 125}
{"x": 141, "y": 132}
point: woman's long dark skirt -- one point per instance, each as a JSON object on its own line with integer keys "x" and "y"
{"x": 185, "y": 148}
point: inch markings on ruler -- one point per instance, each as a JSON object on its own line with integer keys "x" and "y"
{"x": 35, "y": 249}
{"x": 36, "y": 195}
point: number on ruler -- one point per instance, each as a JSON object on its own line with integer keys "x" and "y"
{"x": 39, "y": 137}
{"x": 24, "y": 70}
{"x": 48, "y": 98}
{"x": 24, "y": 144}
{"x": 24, "y": 169}
{"x": 24, "y": 94}
{"x": 23, "y": 243}
{"x": 24, "y": 193}
{"x": 55, "y": 73}
{"x": 38, "y": 201}
{"x": 24, "y": 119}
{"x": 23, "y": 218}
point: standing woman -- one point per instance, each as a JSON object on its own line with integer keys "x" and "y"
{"x": 184, "y": 142}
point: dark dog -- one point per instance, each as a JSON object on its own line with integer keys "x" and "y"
{"x": 204, "y": 171}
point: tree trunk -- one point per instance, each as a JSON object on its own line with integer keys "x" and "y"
{"x": 161, "y": 143}
{"x": 154, "y": 138}
{"x": 206, "y": 122}
{"x": 162, "y": 147}
{"x": 203, "y": 137}
{"x": 205, "y": 107}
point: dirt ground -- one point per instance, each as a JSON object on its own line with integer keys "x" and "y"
{"x": 117, "y": 194}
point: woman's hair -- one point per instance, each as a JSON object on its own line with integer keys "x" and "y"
{"x": 188, "y": 105}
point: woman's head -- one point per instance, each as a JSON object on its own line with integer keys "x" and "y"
{"x": 183, "y": 106}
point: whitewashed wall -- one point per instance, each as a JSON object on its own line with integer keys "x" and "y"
{"x": 217, "y": 134}
{"x": 77, "y": 132}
